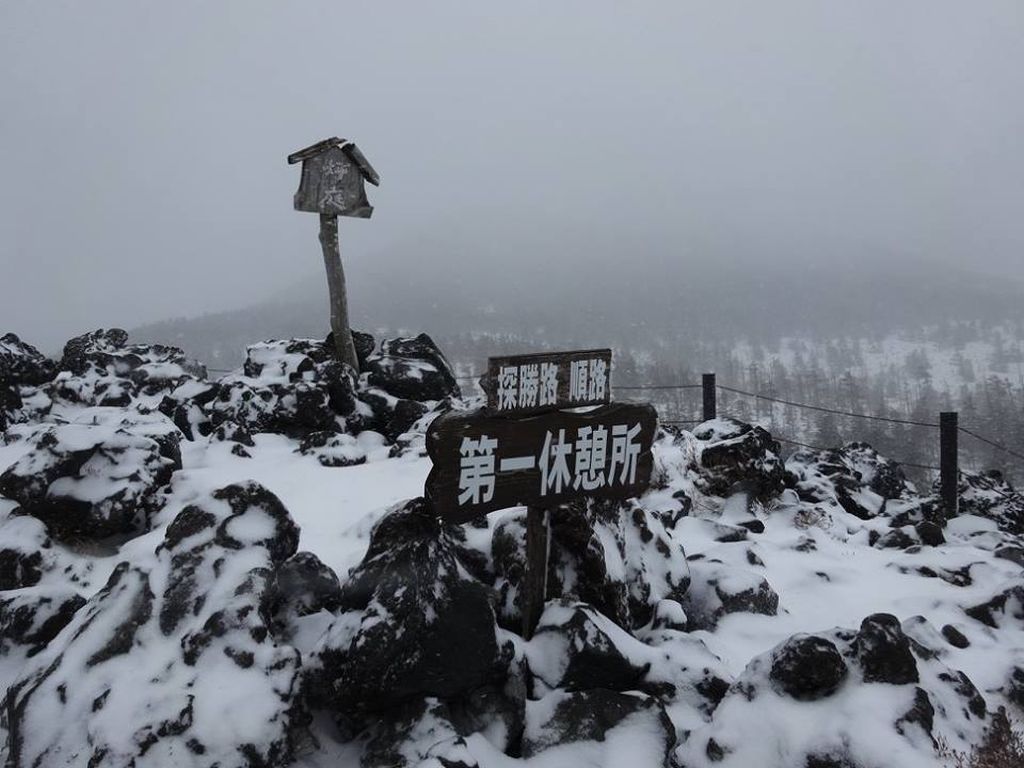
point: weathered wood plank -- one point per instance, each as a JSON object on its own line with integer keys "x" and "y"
{"x": 483, "y": 462}
{"x": 524, "y": 384}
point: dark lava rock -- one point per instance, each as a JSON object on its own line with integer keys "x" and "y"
{"x": 364, "y": 343}
{"x": 930, "y": 533}
{"x": 33, "y": 617}
{"x": 988, "y": 494}
{"x": 230, "y": 432}
{"x": 955, "y": 637}
{"x": 1015, "y": 687}
{"x": 1012, "y": 553}
{"x": 884, "y": 651}
{"x": 1007, "y": 604}
{"x": 754, "y": 526}
{"x": 303, "y": 585}
{"x": 565, "y": 718}
{"x": 192, "y": 631}
{"x": 588, "y": 539}
{"x": 897, "y": 538}
{"x": 921, "y": 713}
{"x": 22, "y": 365}
{"x": 101, "y": 367}
{"x": 415, "y": 623}
{"x": 24, "y": 551}
{"x": 737, "y": 454}
{"x": 418, "y": 733}
{"x": 403, "y": 416}
{"x": 717, "y": 590}
{"x": 412, "y": 369}
{"x": 808, "y": 667}
{"x": 90, "y": 481}
{"x": 855, "y": 477}
{"x": 587, "y": 641}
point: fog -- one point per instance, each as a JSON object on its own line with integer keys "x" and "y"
{"x": 143, "y": 145}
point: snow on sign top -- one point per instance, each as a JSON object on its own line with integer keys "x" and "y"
{"x": 523, "y": 384}
{"x": 484, "y": 462}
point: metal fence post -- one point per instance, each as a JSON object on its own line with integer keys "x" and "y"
{"x": 710, "y": 396}
{"x": 948, "y": 469}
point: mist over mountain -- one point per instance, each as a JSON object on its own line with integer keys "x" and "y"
{"x": 547, "y": 302}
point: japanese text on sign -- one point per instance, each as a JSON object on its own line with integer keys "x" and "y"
{"x": 484, "y": 462}
{"x": 548, "y": 381}
{"x": 582, "y": 462}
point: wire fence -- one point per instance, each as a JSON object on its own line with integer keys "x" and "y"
{"x": 824, "y": 409}
{"x": 759, "y": 396}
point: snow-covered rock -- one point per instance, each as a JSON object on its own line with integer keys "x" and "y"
{"x": 618, "y": 558}
{"x": 872, "y": 697}
{"x": 717, "y": 589}
{"x": 854, "y": 478}
{"x": 412, "y": 369}
{"x": 172, "y": 662}
{"x": 989, "y": 495}
{"x": 413, "y": 623}
{"x": 733, "y": 455}
{"x": 598, "y": 728}
{"x": 90, "y": 481}
{"x": 102, "y": 368}
{"x": 33, "y": 617}
{"x": 23, "y": 368}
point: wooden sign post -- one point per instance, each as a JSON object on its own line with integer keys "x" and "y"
{"x": 333, "y": 172}
{"x": 537, "y": 455}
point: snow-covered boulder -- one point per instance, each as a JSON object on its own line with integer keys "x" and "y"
{"x": 806, "y": 667}
{"x": 90, "y": 481}
{"x": 185, "y": 406}
{"x": 102, "y": 368}
{"x": 172, "y": 662}
{"x": 1005, "y": 609}
{"x": 717, "y": 589}
{"x": 23, "y": 369}
{"x": 598, "y": 728}
{"x": 290, "y": 386}
{"x": 295, "y": 409}
{"x": 21, "y": 364}
{"x": 576, "y": 648}
{"x": 389, "y": 415}
{"x": 418, "y": 734}
{"x": 25, "y": 551}
{"x": 871, "y": 697}
{"x": 989, "y": 495}
{"x": 412, "y": 369}
{"x": 333, "y": 449}
{"x": 854, "y": 478}
{"x": 414, "y": 623}
{"x": 617, "y": 557}
{"x": 303, "y": 585}
{"x": 736, "y": 456}
{"x": 31, "y": 618}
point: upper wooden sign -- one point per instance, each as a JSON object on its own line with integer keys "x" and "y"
{"x": 333, "y": 172}
{"x": 524, "y": 384}
{"x": 483, "y": 462}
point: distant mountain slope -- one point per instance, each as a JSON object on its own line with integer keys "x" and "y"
{"x": 628, "y": 308}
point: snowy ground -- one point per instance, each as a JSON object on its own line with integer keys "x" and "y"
{"x": 834, "y": 539}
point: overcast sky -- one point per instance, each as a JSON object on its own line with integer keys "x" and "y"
{"x": 143, "y": 144}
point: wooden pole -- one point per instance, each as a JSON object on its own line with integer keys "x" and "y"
{"x": 710, "y": 391}
{"x": 535, "y": 580}
{"x": 949, "y": 471}
{"x": 343, "y": 343}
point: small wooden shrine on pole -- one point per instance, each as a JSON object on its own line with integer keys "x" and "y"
{"x": 332, "y": 184}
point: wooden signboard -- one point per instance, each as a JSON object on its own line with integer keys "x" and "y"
{"x": 483, "y": 462}
{"x": 524, "y": 384}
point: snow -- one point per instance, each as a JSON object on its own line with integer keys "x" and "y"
{"x": 833, "y": 584}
